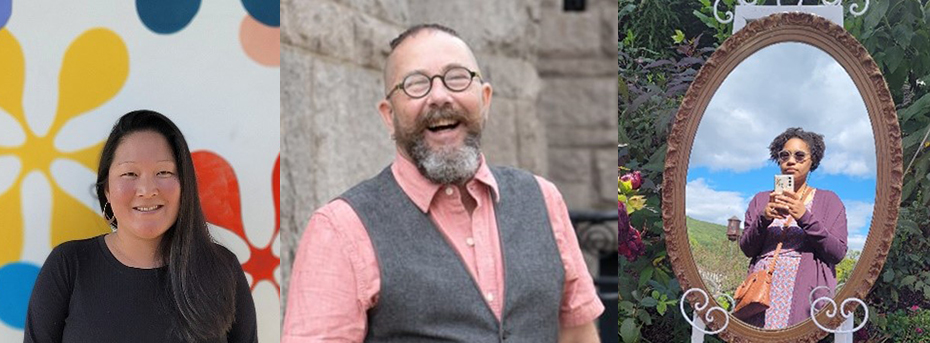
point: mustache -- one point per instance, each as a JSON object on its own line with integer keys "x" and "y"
{"x": 434, "y": 115}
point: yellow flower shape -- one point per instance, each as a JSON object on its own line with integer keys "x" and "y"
{"x": 94, "y": 69}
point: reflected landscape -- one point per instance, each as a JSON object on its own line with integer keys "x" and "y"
{"x": 779, "y": 87}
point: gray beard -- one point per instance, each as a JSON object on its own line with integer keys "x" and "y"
{"x": 447, "y": 165}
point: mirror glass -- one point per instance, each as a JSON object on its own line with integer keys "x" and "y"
{"x": 778, "y": 87}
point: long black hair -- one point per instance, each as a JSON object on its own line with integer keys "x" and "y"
{"x": 201, "y": 283}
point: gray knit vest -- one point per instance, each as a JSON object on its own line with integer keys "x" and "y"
{"x": 428, "y": 295}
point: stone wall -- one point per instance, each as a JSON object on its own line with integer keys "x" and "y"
{"x": 577, "y": 62}
{"x": 332, "y": 52}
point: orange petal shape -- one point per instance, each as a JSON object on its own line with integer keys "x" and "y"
{"x": 219, "y": 191}
{"x": 71, "y": 219}
{"x": 12, "y": 81}
{"x": 94, "y": 69}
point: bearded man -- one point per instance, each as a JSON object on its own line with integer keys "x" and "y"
{"x": 440, "y": 247}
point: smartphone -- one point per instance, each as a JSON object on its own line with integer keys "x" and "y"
{"x": 783, "y": 183}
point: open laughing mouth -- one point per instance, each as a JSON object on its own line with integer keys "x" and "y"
{"x": 146, "y": 209}
{"x": 442, "y": 125}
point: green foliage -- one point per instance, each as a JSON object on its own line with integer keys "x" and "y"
{"x": 845, "y": 267}
{"x": 706, "y": 15}
{"x": 647, "y": 286}
{"x": 646, "y": 27}
{"x": 897, "y": 34}
{"x": 650, "y": 87}
{"x": 905, "y": 279}
{"x": 905, "y": 325}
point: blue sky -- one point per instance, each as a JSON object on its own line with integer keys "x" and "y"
{"x": 781, "y": 86}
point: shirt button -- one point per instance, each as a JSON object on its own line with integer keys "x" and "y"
{"x": 449, "y": 190}
{"x": 470, "y": 241}
{"x": 489, "y": 296}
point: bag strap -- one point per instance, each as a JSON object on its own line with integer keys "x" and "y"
{"x": 775, "y": 259}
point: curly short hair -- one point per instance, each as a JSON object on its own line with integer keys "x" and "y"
{"x": 814, "y": 142}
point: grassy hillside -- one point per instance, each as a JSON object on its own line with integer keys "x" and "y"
{"x": 704, "y": 233}
{"x": 721, "y": 263}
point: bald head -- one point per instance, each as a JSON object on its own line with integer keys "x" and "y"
{"x": 413, "y": 33}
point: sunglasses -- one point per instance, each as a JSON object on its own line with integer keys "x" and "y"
{"x": 785, "y": 155}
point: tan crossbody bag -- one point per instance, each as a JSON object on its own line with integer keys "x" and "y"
{"x": 754, "y": 294}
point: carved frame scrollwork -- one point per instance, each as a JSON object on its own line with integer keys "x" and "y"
{"x": 838, "y": 43}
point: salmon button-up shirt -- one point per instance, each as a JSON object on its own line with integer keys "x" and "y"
{"x": 335, "y": 278}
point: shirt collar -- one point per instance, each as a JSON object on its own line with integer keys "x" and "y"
{"x": 422, "y": 191}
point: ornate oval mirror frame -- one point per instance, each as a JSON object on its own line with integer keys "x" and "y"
{"x": 846, "y": 50}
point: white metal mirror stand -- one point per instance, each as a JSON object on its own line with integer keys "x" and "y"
{"x": 748, "y": 10}
{"x": 844, "y": 333}
{"x": 697, "y": 324}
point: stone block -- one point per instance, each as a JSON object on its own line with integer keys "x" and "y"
{"x": 571, "y": 171}
{"x": 569, "y": 165}
{"x": 579, "y": 101}
{"x": 297, "y": 140}
{"x": 499, "y": 139}
{"x": 531, "y": 138}
{"x": 569, "y": 34}
{"x": 295, "y": 83}
{"x": 582, "y": 136}
{"x": 609, "y": 28}
{"x": 373, "y": 38}
{"x": 353, "y": 143}
{"x": 510, "y": 28}
{"x": 510, "y": 77}
{"x": 551, "y": 4}
{"x": 577, "y": 67}
{"x": 395, "y": 12}
{"x": 323, "y": 27}
{"x": 297, "y": 188}
{"x": 606, "y": 177}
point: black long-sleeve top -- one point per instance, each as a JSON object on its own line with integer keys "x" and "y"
{"x": 84, "y": 294}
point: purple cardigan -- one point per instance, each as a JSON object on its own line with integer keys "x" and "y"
{"x": 825, "y": 225}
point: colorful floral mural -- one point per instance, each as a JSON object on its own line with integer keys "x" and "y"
{"x": 68, "y": 72}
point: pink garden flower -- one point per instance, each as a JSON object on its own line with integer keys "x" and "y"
{"x": 635, "y": 179}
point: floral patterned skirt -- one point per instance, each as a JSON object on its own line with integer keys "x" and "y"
{"x": 786, "y": 271}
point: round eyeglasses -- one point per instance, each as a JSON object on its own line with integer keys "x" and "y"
{"x": 785, "y": 155}
{"x": 418, "y": 85}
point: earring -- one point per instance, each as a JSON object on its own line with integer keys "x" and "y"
{"x": 109, "y": 219}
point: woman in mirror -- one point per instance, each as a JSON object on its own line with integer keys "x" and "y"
{"x": 809, "y": 223}
{"x": 158, "y": 277}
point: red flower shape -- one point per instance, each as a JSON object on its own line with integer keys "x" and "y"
{"x": 219, "y": 196}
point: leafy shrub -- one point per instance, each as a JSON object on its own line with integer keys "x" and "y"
{"x": 904, "y": 325}
{"x": 652, "y": 80}
{"x": 845, "y": 267}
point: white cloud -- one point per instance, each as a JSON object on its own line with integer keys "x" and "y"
{"x": 704, "y": 203}
{"x": 855, "y": 242}
{"x": 781, "y": 86}
{"x": 858, "y": 219}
